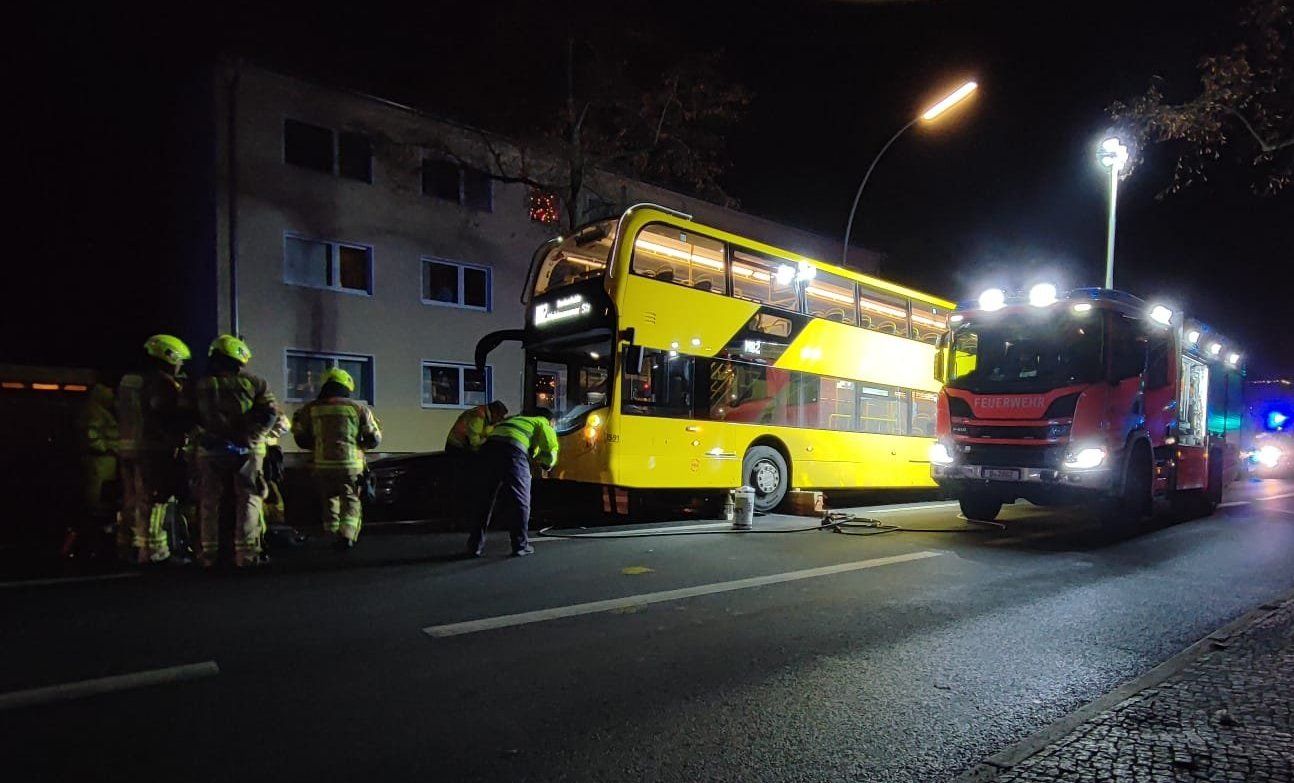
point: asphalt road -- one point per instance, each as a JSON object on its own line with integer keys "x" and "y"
{"x": 907, "y": 656}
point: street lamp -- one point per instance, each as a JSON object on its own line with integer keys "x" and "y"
{"x": 929, "y": 115}
{"x": 1114, "y": 156}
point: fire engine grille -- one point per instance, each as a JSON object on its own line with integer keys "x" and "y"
{"x": 1012, "y": 456}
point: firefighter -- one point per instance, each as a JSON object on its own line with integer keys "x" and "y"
{"x": 98, "y": 424}
{"x": 237, "y": 414}
{"x": 337, "y": 430}
{"x": 506, "y": 458}
{"x": 472, "y": 427}
{"x": 462, "y": 447}
{"x": 152, "y": 418}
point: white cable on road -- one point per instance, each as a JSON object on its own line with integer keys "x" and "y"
{"x": 594, "y": 607}
{"x": 123, "y": 682}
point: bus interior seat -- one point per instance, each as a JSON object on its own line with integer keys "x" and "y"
{"x": 836, "y": 315}
{"x": 665, "y": 275}
{"x": 704, "y": 285}
{"x": 889, "y": 328}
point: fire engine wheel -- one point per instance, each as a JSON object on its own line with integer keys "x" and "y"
{"x": 985, "y": 508}
{"x": 764, "y": 468}
{"x": 1134, "y": 502}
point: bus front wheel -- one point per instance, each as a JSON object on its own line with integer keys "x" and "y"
{"x": 764, "y": 468}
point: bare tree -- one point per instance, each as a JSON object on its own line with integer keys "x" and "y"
{"x": 1243, "y": 110}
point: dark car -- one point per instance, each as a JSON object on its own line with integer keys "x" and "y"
{"x": 413, "y": 487}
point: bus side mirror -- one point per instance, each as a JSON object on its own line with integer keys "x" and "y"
{"x": 633, "y": 364}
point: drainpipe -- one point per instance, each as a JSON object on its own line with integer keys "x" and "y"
{"x": 231, "y": 149}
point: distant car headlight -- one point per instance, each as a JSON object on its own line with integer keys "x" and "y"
{"x": 1085, "y": 459}
{"x": 1269, "y": 456}
{"x": 940, "y": 455}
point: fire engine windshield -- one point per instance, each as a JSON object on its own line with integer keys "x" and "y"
{"x": 1026, "y": 352}
{"x": 581, "y": 256}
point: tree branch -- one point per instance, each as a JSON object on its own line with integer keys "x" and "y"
{"x": 1263, "y": 144}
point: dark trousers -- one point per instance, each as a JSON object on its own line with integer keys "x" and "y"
{"x": 505, "y": 494}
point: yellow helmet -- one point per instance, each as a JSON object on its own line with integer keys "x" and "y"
{"x": 169, "y": 349}
{"x": 228, "y": 345}
{"x": 338, "y": 375}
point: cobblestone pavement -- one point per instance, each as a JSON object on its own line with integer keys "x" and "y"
{"x": 1225, "y": 717}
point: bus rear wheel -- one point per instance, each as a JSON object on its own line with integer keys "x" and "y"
{"x": 764, "y": 468}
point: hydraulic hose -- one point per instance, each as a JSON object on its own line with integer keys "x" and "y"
{"x": 834, "y": 521}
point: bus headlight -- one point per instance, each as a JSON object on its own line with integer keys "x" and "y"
{"x": 1085, "y": 459}
{"x": 592, "y": 427}
{"x": 1269, "y": 456}
{"x": 940, "y": 455}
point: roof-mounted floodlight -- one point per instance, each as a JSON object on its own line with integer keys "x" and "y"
{"x": 1161, "y": 315}
{"x": 1042, "y": 295}
{"x": 992, "y": 299}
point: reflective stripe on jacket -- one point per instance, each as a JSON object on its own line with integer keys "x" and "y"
{"x": 336, "y": 430}
{"x": 470, "y": 429}
{"x": 532, "y": 434}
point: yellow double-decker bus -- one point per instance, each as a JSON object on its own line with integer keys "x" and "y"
{"x": 681, "y": 356}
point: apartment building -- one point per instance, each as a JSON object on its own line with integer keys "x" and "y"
{"x": 342, "y": 229}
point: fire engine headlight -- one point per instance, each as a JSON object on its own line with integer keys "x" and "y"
{"x": 1269, "y": 456}
{"x": 1085, "y": 459}
{"x": 940, "y": 455}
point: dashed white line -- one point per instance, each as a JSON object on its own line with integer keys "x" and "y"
{"x": 594, "y": 607}
{"x": 123, "y": 682}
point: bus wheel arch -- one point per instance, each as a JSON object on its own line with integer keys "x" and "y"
{"x": 766, "y": 466}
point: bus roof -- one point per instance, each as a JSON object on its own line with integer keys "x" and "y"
{"x": 657, "y": 213}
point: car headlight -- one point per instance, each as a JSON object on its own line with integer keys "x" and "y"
{"x": 940, "y": 455}
{"x": 1269, "y": 456}
{"x": 1084, "y": 459}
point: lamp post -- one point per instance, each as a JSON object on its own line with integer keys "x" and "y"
{"x": 943, "y": 105}
{"x": 1114, "y": 156}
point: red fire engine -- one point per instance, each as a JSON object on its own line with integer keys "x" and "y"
{"x": 1092, "y": 398}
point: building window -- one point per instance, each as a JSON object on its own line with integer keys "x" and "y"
{"x": 464, "y": 185}
{"x": 345, "y": 153}
{"x": 454, "y": 385}
{"x": 334, "y": 265}
{"x": 456, "y": 284}
{"x": 305, "y": 369}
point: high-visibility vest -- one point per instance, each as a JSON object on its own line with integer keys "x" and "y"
{"x": 337, "y": 430}
{"x": 532, "y": 434}
{"x": 470, "y": 429}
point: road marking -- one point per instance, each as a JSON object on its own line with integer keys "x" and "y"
{"x": 1277, "y": 497}
{"x": 121, "y": 682}
{"x": 69, "y": 580}
{"x": 1233, "y": 504}
{"x": 1027, "y": 537}
{"x": 864, "y": 510}
{"x": 612, "y": 604}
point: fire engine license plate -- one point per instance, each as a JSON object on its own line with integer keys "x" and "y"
{"x": 1001, "y": 474}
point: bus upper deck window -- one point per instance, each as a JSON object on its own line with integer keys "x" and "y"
{"x": 929, "y": 322}
{"x": 581, "y": 256}
{"x": 831, "y": 297}
{"x": 756, "y": 276}
{"x": 673, "y": 256}
{"x": 882, "y": 312}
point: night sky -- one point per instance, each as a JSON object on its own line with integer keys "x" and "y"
{"x": 1007, "y": 191}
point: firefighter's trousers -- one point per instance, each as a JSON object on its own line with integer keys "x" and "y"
{"x": 231, "y": 482}
{"x": 339, "y": 498}
{"x": 147, "y": 486}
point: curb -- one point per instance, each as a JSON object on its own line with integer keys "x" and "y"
{"x": 990, "y": 768}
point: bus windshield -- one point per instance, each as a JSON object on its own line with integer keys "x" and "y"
{"x": 581, "y": 256}
{"x": 1018, "y": 353}
{"x": 572, "y": 383}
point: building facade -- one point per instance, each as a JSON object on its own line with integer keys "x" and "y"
{"x": 346, "y": 230}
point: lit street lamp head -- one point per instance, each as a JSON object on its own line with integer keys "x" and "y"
{"x": 949, "y": 100}
{"x": 1113, "y": 154}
